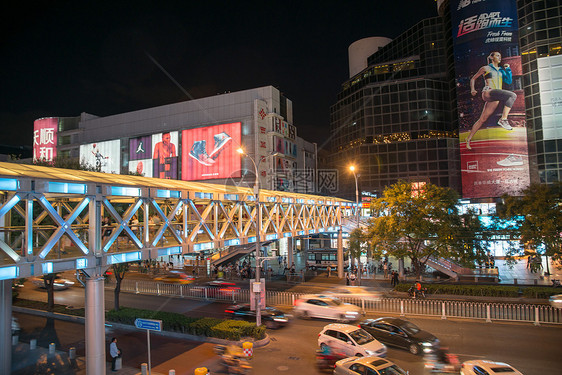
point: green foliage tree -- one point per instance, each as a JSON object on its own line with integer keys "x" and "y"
{"x": 67, "y": 163}
{"x": 49, "y": 281}
{"x": 424, "y": 223}
{"x": 536, "y": 219}
{"x": 119, "y": 271}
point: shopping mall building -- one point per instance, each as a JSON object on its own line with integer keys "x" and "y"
{"x": 430, "y": 105}
{"x": 195, "y": 140}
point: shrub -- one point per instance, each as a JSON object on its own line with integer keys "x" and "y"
{"x": 483, "y": 290}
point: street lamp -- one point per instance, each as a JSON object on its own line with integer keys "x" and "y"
{"x": 352, "y": 169}
{"x": 258, "y": 225}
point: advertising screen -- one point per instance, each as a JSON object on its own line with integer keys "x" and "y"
{"x": 490, "y": 100}
{"x": 165, "y": 155}
{"x": 210, "y": 152}
{"x": 104, "y": 156}
{"x": 550, "y": 84}
{"x": 45, "y": 139}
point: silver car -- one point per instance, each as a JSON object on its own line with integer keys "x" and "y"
{"x": 367, "y": 366}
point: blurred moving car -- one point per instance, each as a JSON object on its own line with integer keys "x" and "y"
{"x": 322, "y": 306}
{"x": 556, "y": 300}
{"x": 217, "y": 289}
{"x": 368, "y": 366}
{"x": 175, "y": 278}
{"x": 59, "y": 284}
{"x": 357, "y": 292}
{"x": 483, "y": 367}
{"x": 270, "y": 317}
{"x": 350, "y": 340}
{"x": 401, "y": 333}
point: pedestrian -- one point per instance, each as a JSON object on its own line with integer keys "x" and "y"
{"x": 347, "y": 278}
{"x": 114, "y": 352}
{"x": 329, "y": 271}
{"x": 352, "y": 279}
{"x": 385, "y": 268}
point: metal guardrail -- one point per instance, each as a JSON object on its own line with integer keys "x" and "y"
{"x": 488, "y": 312}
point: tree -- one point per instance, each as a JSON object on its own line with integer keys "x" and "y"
{"x": 535, "y": 219}
{"x": 421, "y": 223}
{"x": 49, "y": 281}
{"x": 119, "y": 271}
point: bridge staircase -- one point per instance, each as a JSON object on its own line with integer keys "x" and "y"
{"x": 233, "y": 253}
{"x": 459, "y": 272}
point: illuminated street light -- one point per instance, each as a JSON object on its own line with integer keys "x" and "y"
{"x": 258, "y": 225}
{"x": 352, "y": 169}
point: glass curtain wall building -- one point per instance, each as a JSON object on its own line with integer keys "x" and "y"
{"x": 393, "y": 119}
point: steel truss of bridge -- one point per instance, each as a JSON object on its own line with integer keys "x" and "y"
{"x": 53, "y": 220}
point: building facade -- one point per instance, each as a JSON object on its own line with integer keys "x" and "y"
{"x": 393, "y": 119}
{"x": 195, "y": 140}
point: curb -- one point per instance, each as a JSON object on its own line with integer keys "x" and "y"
{"x": 186, "y": 336}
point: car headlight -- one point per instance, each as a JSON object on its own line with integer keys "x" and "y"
{"x": 351, "y": 312}
{"x": 427, "y": 344}
{"x": 370, "y": 352}
{"x": 279, "y": 319}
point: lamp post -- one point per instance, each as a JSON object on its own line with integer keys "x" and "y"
{"x": 352, "y": 169}
{"x": 258, "y": 225}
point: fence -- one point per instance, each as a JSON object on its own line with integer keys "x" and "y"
{"x": 445, "y": 309}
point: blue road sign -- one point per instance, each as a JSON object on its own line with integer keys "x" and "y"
{"x": 150, "y": 324}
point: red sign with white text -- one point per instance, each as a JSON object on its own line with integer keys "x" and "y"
{"x": 45, "y": 139}
{"x": 210, "y": 152}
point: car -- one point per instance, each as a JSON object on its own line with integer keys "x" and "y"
{"x": 486, "y": 367}
{"x": 367, "y": 366}
{"x": 175, "y": 278}
{"x": 59, "y": 284}
{"x": 556, "y": 300}
{"x": 356, "y": 292}
{"x": 321, "y": 306}
{"x": 217, "y": 289}
{"x": 270, "y": 317}
{"x": 350, "y": 340}
{"x": 401, "y": 333}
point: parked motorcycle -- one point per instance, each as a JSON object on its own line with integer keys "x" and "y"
{"x": 556, "y": 283}
{"x": 233, "y": 359}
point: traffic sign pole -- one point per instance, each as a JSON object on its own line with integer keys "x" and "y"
{"x": 149, "y": 325}
{"x": 148, "y": 345}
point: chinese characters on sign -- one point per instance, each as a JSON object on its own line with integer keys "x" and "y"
{"x": 45, "y": 139}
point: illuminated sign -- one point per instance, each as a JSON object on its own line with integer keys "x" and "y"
{"x": 550, "y": 84}
{"x": 491, "y": 106}
{"x": 165, "y": 155}
{"x": 45, "y": 139}
{"x": 210, "y": 152}
{"x": 104, "y": 156}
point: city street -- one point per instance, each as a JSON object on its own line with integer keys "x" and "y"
{"x": 531, "y": 349}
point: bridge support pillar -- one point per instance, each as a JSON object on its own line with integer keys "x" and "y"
{"x": 290, "y": 251}
{"x": 341, "y": 265}
{"x": 6, "y": 326}
{"x": 95, "y": 326}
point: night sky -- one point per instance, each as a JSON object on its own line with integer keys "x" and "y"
{"x": 61, "y": 58}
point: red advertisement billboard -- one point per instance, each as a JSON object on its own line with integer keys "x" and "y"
{"x": 45, "y": 139}
{"x": 210, "y": 152}
{"x": 491, "y": 106}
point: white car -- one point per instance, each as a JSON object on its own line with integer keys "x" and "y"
{"x": 320, "y": 306}
{"x": 556, "y": 300}
{"x": 59, "y": 284}
{"x": 355, "y": 292}
{"x": 368, "y": 366}
{"x": 350, "y": 340}
{"x": 483, "y": 367}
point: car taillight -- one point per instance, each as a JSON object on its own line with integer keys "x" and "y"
{"x": 229, "y": 311}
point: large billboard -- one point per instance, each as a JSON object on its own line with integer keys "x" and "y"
{"x": 104, "y": 156}
{"x": 45, "y": 139}
{"x": 210, "y": 152}
{"x": 550, "y": 85}
{"x": 155, "y": 155}
{"x": 490, "y": 100}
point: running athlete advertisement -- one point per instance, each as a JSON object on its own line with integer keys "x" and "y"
{"x": 104, "y": 156}
{"x": 491, "y": 106}
{"x": 45, "y": 139}
{"x": 210, "y": 152}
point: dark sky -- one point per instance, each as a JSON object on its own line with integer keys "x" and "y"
{"x": 61, "y": 58}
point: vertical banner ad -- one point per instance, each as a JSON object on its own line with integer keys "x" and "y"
{"x": 165, "y": 155}
{"x": 491, "y": 106}
{"x": 104, "y": 156}
{"x": 210, "y": 152}
{"x": 140, "y": 155}
{"x": 45, "y": 139}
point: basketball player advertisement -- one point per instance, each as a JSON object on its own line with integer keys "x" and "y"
{"x": 210, "y": 152}
{"x": 491, "y": 106}
{"x": 104, "y": 156}
{"x": 164, "y": 155}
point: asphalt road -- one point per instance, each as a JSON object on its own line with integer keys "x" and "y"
{"x": 531, "y": 349}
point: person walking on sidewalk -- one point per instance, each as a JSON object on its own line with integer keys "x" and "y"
{"x": 329, "y": 271}
{"x": 114, "y": 352}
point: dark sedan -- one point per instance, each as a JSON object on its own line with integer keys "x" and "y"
{"x": 401, "y": 333}
{"x": 270, "y": 317}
